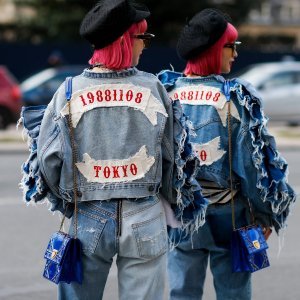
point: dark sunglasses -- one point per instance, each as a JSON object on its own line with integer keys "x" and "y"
{"x": 146, "y": 37}
{"x": 233, "y": 46}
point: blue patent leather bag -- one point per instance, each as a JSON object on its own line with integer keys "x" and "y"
{"x": 63, "y": 259}
{"x": 248, "y": 249}
{"x": 63, "y": 253}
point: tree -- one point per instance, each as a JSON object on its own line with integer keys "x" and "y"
{"x": 59, "y": 19}
{"x": 167, "y": 19}
{"x": 51, "y": 20}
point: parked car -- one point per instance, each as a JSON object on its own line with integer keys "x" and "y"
{"x": 39, "y": 88}
{"x": 10, "y": 98}
{"x": 279, "y": 86}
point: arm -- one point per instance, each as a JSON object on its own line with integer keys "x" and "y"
{"x": 49, "y": 155}
{"x": 33, "y": 183}
{"x": 52, "y": 153}
{"x": 186, "y": 199}
{"x": 271, "y": 195}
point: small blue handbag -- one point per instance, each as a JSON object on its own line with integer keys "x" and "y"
{"x": 63, "y": 253}
{"x": 63, "y": 259}
{"x": 248, "y": 244}
{"x": 248, "y": 249}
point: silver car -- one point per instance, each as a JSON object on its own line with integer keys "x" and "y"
{"x": 279, "y": 85}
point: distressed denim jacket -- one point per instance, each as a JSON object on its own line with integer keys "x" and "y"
{"x": 259, "y": 172}
{"x": 130, "y": 142}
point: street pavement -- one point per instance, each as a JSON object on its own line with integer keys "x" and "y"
{"x": 287, "y": 137}
{"x": 25, "y": 232}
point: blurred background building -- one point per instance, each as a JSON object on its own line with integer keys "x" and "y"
{"x": 273, "y": 26}
{"x": 37, "y": 34}
{"x": 30, "y": 30}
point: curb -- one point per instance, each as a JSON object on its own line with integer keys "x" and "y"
{"x": 22, "y": 147}
{"x": 11, "y": 140}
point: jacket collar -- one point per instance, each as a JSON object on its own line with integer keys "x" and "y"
{"x": 111, "y": 74}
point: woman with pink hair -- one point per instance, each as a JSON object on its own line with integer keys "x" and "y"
{"x": 242, "y": 174}
{"x": 107, "y": 149}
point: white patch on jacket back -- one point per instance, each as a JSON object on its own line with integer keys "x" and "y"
{"x": 205, "y": 95}
{"x": 114, "y": 95}
{"x": 209, "y": 153}
{"x": 112, "y": 171}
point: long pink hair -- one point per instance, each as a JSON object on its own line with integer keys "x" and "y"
{"x": 118, "y": 55}
{"x": 210, "y": 61}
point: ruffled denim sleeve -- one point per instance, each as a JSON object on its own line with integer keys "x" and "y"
{"x": 33, "y": 186}
{"x": 190, "y": 207}
{"x": 272, "y": 169}
{"x": 168, "y": 78}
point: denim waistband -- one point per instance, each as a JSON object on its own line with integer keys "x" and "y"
{"x": 109, "y": 207}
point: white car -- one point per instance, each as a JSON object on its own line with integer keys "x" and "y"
{"x": 279, "y": 86}
{"x": 39, "y": 88}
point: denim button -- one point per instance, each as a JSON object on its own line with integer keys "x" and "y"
{"x": 79, "y": 194}
{"x": 151, "y": 188}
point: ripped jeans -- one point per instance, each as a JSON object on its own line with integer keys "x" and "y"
{"x": 133, "y": 230}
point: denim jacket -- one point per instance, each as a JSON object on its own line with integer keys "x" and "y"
{"x": 259, "y": 172}
{"x": 124, "y": 126}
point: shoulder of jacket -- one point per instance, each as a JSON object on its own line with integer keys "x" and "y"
{"x": 153, "y": 81}
{"x": 246, "y": 86}
{"x": 148, "y": 75}
{"x": 168, "y": 78}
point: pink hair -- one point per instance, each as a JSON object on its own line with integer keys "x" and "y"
{"x": 118, "y": 55}
{"x": 209, "y": 61}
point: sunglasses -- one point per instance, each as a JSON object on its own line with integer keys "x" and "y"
{"x": 146, "y": 37}
{"x": 233, "y": 46}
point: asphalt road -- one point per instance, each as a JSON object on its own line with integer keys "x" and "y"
{"x": 25, "y": 231}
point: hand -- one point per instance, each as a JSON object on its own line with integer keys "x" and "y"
{"x": 267, "y": 232}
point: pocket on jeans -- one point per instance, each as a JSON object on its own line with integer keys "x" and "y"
{"x": 89, "y": 229}
{"x": 151, "y": 237}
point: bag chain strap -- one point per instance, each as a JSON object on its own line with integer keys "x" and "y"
{"x": 230, "y": 162}
{"x": 74, "y": 159}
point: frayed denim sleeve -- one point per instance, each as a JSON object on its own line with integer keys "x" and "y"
{"x": 168, "y": 78}
{"x": 32, "y": 183}
{"x": 271, "y": 168}
{"x": 57, "y": 204}
{"x": 190, "y": 206}
{"x": 188, "y": 203}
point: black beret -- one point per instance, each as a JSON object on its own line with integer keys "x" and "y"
{"x": 201, "y": 32}
{"x": 109, "y": 19}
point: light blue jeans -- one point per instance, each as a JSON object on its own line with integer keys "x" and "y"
{"x": 187, "y": 263}
{"x": 140, "y": 242}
